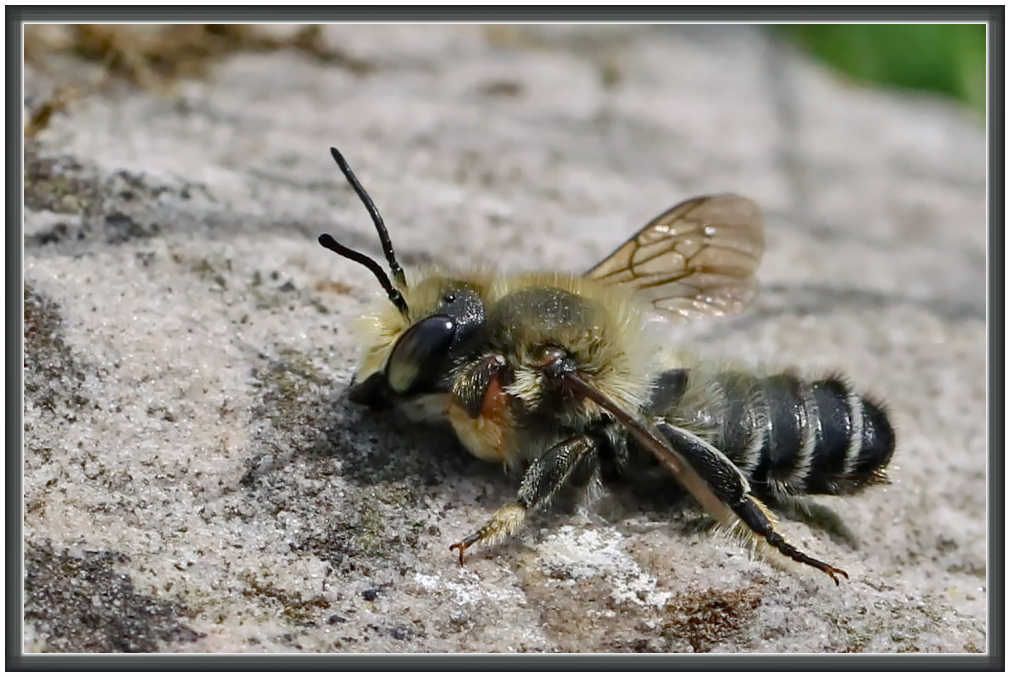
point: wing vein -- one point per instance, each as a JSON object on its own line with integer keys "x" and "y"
{"x": 724, "y": 234}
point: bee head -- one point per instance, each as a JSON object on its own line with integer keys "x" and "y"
{"x": 419, "y": 345}
{"x": 420, "y": 357}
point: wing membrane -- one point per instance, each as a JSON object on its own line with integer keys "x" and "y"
{"x": 697, "y": 258}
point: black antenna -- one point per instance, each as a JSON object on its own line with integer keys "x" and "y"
{"x": 387, "y": 245}
{"x": 394, "y": 294}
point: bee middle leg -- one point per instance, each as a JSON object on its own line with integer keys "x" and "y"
{"x": 542, "y": 480}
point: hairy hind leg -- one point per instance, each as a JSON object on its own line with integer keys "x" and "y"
{"x": 730, "y": 485}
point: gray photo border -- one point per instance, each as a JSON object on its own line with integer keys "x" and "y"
{"x": 994, "y": 660}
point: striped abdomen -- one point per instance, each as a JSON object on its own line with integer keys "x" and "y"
{"x": 789, "y": 435}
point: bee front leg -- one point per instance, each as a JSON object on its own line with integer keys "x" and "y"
{"x": 478, "y": 391}
{"x": 542, "y": 480}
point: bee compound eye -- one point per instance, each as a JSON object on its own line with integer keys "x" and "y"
{"x": 420, "y": 355}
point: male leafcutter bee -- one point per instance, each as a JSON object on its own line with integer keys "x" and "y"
{"x": 552, "y": 372}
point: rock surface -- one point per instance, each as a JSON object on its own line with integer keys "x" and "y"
{"x": 195, "y": 480}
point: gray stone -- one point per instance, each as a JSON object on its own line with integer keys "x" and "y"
{"x": 189, "y": 451}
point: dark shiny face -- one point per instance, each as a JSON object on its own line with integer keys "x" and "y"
{"x": 423, "y": 357}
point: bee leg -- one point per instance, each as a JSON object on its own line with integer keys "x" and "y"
{"x": 757, "y": 518}
{"x": 480, "y": 388}
{"x": 504, "y": 523}
{"x": 730, "y": 485}
{"x": 817, "y": 516}
{"x": 542, "y": 480}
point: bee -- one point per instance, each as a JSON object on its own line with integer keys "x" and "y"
{"x": 554, "y": 373}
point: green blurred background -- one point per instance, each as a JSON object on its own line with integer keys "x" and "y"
{"x": 944, "y": 58}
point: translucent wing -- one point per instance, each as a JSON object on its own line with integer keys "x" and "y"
{"x": 697, "y": 258}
